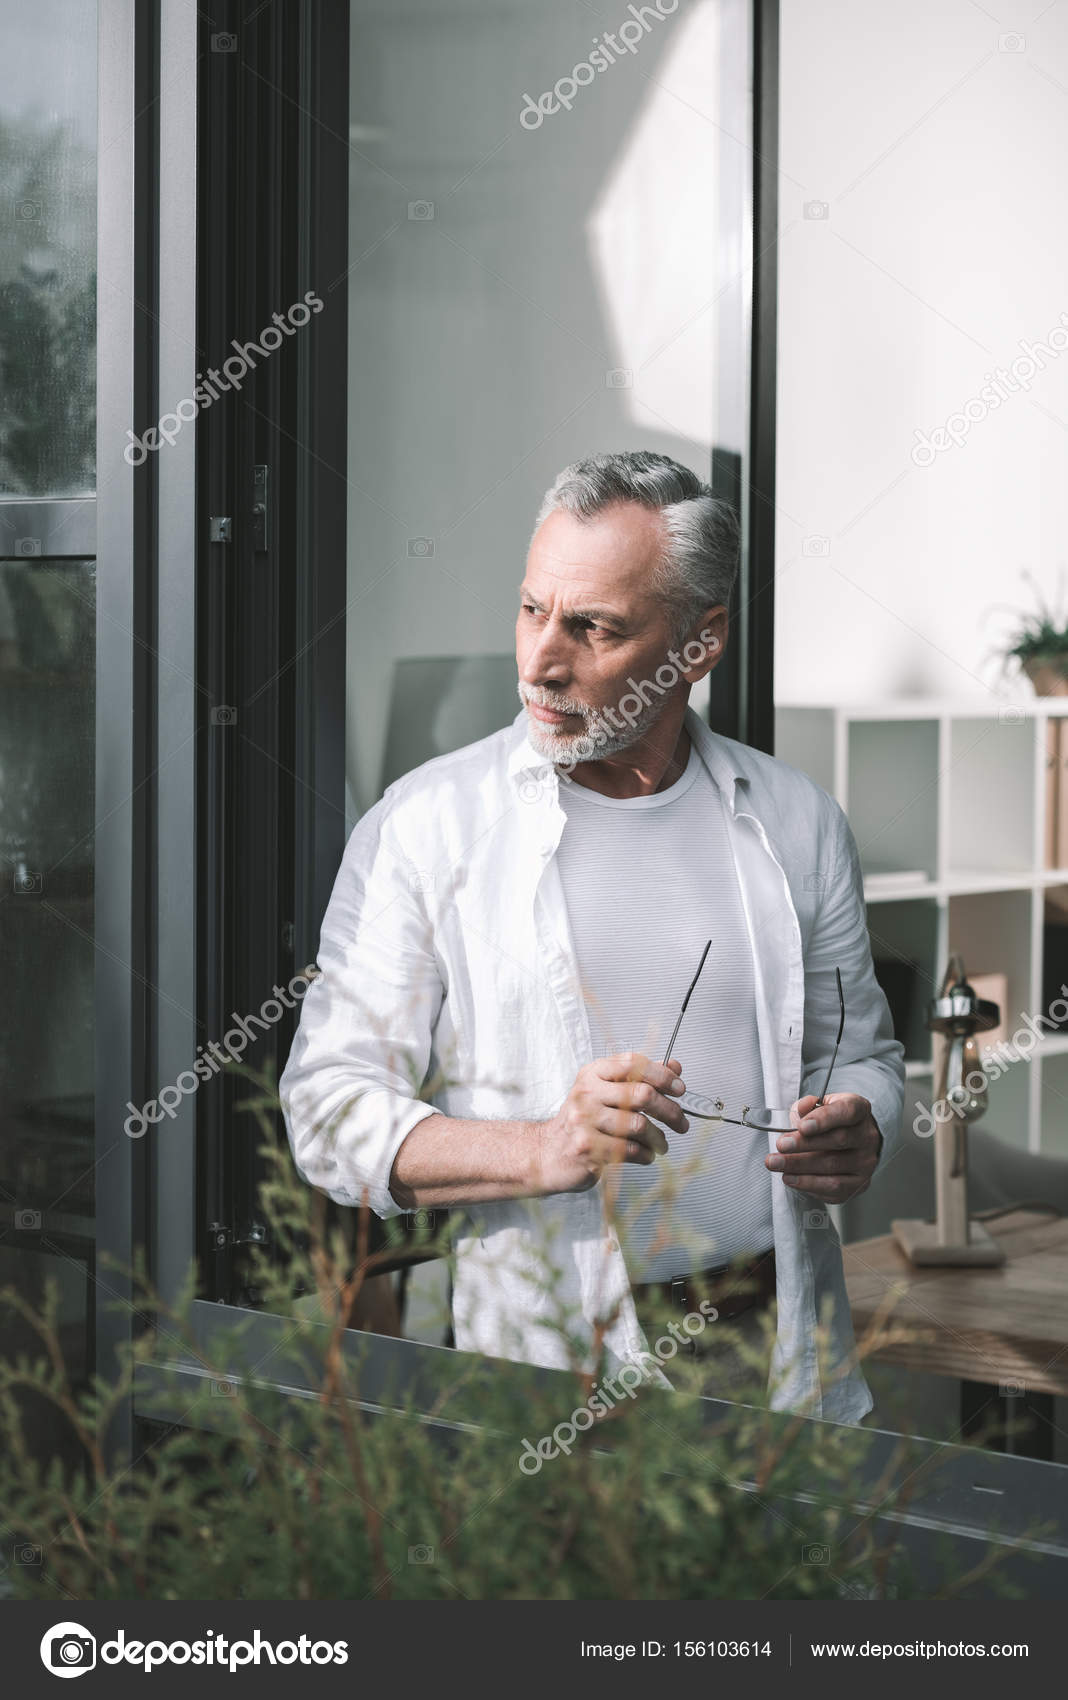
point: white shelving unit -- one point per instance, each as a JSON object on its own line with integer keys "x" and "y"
{"x": 954, "y": 793}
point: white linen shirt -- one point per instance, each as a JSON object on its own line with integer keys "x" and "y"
{"x": 447, "y": 969}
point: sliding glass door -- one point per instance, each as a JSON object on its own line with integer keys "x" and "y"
{"x": 48, "y": 150}
{"x": 494, "y": 288}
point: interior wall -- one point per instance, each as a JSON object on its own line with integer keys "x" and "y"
{"x": 931, "y": 138}
{"x": 520, "y": 296}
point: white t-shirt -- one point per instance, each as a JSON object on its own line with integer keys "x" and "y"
{"x": 648, "y": 880}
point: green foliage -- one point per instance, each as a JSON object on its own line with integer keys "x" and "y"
{"x": 256, "y": 1495}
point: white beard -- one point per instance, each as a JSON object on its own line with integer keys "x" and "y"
{"x": 598, "y": 739}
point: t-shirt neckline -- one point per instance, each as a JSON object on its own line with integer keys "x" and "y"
{"x": 653, "y": 799}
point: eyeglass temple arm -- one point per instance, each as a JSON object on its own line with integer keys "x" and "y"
{"x": 838, "y": 1041}
{"x": 834, "y": 1055}
{"x": 685, "y": 1001}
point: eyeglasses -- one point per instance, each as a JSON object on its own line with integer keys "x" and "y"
{"x": 763, "y": 1120}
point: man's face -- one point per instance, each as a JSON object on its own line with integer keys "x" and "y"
{"x": 588, "y": 621}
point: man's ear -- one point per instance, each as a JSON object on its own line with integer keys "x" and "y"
{"x": 710, "y": 634}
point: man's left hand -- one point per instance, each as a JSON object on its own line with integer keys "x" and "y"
{"x": 833, "y": 1152}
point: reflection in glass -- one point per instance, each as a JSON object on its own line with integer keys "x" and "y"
{"x": 47, "y": 694}
{"x": 519, "y": 295}
{"x": 48, "y": 249}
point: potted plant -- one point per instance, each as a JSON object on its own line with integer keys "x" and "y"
{"x": 1040, "y": 644}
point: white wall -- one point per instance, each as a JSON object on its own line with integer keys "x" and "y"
{"x": 941, "y": 156}
{"x": 485, "y": 342}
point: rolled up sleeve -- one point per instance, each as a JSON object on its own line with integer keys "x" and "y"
{"x": 871, "y": 1062}
{"x": 350, "y": 1089}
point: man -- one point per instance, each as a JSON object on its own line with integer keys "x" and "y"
{"x": 521, "y": 919}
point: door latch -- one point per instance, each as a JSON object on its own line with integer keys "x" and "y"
{"x": 260, "y": 510}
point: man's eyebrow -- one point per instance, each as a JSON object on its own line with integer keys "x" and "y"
{"x": 607, "y": 616}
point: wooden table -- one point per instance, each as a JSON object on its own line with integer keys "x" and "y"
{"x": 1002, "y": 1332}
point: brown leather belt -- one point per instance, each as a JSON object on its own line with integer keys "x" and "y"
{"x": 732, "y": 1290}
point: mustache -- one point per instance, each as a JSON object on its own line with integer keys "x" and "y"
{"x": 560, "y": 705}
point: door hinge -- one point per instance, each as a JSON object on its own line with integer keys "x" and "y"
{"x": 223, "y": 1236}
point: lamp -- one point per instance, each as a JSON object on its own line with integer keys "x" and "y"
{"x": 955, "y": 1016}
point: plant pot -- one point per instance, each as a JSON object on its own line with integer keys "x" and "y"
{"x": 1048, "y": 674}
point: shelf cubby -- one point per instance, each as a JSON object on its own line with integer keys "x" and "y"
{"x": 892, "y": 794}
{"x": 904, "y": 946}
{"x": 1053, "y": 1106}
{"x": 990, "y": 798}
{"x": 948, "y": 803}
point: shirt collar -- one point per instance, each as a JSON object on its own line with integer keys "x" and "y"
{"x": 718, "y": 753}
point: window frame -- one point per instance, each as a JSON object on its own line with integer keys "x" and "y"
{"x": 166, "y": 648}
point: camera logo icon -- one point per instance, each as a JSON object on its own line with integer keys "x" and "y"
{"x": 27, "y": 1221}
{"x": 420, "y": 209}
{"x": 68, "y": 1649}
{"x": 223, "y": 715}
{"x": 28, "y": 210}
{"x": 535, "y": 787}
{"x": 1012, "y": 43}
{"x": 816, "y": 1219}
{"x": 816, "y": 546}
{"x": 817, "y": 209}
{"x": 815, "y": 1554}
{"x": 420, "y": 1555}
{"x": 224, "y": 42}
{"x": 1011, "y": 714}
{"x": 420, "y": 548}
{"x": 619, "y": 378}
{"x": 28, "y": 546}
{"x": 27, "y": 883}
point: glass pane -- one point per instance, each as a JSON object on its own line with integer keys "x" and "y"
{"x": 531, "y": 281}
{"x": 520, "y": 295}
{"x": 48, "y": 248}
{"x": 47, "y": 692}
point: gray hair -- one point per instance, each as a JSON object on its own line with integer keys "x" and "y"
{"x": 699, "y": 562}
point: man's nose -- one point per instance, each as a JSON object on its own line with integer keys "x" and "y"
{"x": 547, "y": 658}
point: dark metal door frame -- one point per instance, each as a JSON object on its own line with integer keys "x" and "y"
{"x": 273, "y": 169}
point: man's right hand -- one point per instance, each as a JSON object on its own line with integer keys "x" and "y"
{"x": 603, "y": 1120}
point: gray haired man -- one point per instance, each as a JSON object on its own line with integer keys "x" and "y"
{"x": 570, "y": 870}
